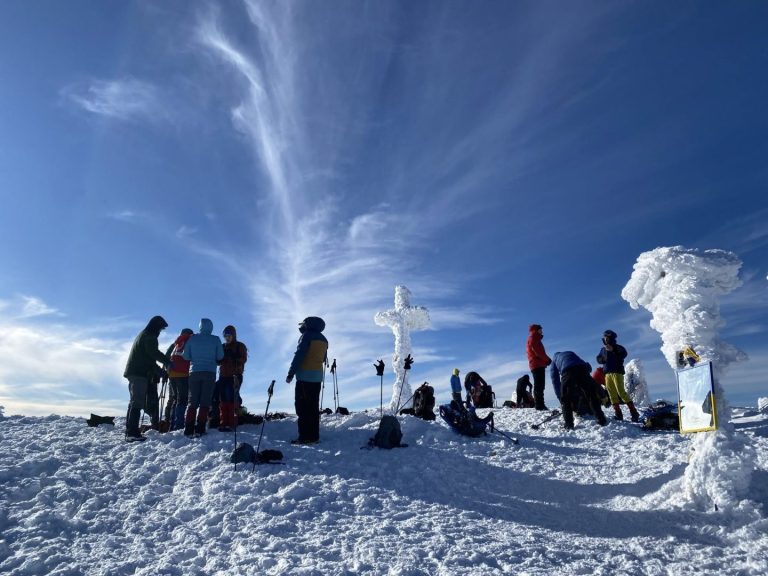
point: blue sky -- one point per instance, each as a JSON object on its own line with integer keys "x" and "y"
{"x": 258, "y": 162}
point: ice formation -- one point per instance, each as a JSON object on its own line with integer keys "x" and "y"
{"x": 402, "y": 319}
{"x": 637, "y": 387}
{"x": 681, "y": 288}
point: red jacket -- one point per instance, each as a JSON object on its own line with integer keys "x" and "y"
{"x": 599, "y": 376}
{"x": 537, "y": 356}
{"x": 179, "y": 367}
{"x": 235, "y": 356}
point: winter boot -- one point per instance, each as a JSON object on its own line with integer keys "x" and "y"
{"x": 601, "y": 419}
{"x": 633, "y": 412}
{"x": 617, "y": 412}
{"x": 202, "y": 420}
{"x": 189, "y": 421}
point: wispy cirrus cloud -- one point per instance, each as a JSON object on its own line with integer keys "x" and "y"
{"x": 125, "y": 99}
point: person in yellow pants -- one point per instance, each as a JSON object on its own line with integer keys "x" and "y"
{"x": 611, "y": 357}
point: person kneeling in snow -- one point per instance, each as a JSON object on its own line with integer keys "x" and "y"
{"x": 308, "y": 362}
{"x": 570, "y": 378}
{"x": 524, "y": 396}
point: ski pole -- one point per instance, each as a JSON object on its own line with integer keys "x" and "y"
{"x": 258, "y": 445}
{"x": 406, "y": 402}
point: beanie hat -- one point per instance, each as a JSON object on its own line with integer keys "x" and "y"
{"x": 187, "y": 331}
{"x": 534, "y": 327}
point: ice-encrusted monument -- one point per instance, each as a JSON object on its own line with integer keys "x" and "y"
{"x": 402, "y": 319}
{"x": 681, "y": 288}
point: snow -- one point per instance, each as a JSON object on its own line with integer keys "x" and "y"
{"x": 78, "y": 500}
{"x": 681, "y": 288}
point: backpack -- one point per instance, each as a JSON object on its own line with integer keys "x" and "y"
{"x": 486, "y": 397}
{"x": 389, "y": 434}
{"x": 424, "y": 402}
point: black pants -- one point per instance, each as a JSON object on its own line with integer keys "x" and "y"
{"x": 308, "y": 410}
{"x": 574, "y": 383}
{"x": 538, "y": 387}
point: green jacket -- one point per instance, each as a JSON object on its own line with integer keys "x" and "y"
{"x": 144, "y": 355}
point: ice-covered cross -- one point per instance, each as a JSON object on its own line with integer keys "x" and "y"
{"x": 402, "y": 319}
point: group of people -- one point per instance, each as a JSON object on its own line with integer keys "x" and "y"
{"x": 197, "y": 399}
{"x": 575, "y": 386}
{"x": 189, "y": 367}
{"x": 577, "y": 389}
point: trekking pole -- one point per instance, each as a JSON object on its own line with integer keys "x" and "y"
{"x": 380, "y": 373}
{"x": 322, "y": 388}
{"x": 162, "y": 404}
{"x": 406, "y": 367}
{"x": 258, "y": 445}
{"x": 236, "y": 419}
{"x": 335, "y": 387}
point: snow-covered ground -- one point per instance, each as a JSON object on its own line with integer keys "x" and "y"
{"x": 78, "y": 500}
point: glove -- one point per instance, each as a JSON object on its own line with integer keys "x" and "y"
{"x": 549, "y": 362}
{"x": 379, "y": 367}
{"x": 408, "y": 362}
{"x": 289, "y": 379}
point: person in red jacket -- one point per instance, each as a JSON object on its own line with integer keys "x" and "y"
{"x": 231, "y": 371}
{"x": 537, "y": 362}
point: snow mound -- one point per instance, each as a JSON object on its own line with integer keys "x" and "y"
{"x": 762, "y": 405}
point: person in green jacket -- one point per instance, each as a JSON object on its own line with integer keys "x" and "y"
{"x": 140, "y": 370}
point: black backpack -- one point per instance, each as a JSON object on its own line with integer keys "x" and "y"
{"x": 486, "y": 397}
{"x": 424, "y": 402}
{"x": 389, "y": 434}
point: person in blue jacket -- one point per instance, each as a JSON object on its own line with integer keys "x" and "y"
{"x": 571, "y": 376}
{"x": 203, "y": 351}
{"x": 308, "y": 366}
{"x": 456, "y": 386}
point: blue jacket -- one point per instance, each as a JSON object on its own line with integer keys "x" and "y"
{"x": 203, "y": 350}
{"x": 561, "y": 362}
{"x": 613, "y": 361}
{"x": 312, "y": 352}
{"x": 455, "y": 384}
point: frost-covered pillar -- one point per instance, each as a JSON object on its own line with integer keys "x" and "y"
{"x": 681, "y": 288}
{"x": 637, "y": 386}
{"x": 402, "y": 319}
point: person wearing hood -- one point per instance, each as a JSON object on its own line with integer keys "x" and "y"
{"x": 537, "y": 362}
{"x": 456, "y": 386}
{"x": 308, "y": 366}
{"x": 612, "y": 357}
{"x": 226, "y": 397}
{"x": 571, "y": 378}
{"x": 142, "y": 370}
{"x": 203, "y": 351}
{"x": 178, "y": 388}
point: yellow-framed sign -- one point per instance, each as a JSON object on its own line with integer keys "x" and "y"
{"x": 696, "y": 399}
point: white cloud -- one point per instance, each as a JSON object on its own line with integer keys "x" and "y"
{"x": 128, "y": 216}
{"x": 185, "y": 231}
{"x": 33, "y": 307}
{"x": 126, "y": 99}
